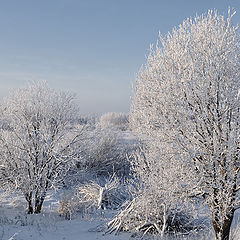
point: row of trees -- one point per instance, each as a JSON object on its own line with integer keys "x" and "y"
{"x": 186, "y": 110}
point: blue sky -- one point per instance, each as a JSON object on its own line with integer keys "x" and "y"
{"x": 91, "y": 47}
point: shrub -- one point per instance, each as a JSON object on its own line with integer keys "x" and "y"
{"x": 105, "y": 152}
{"x": 94, "y": 196}
{"x": 68, "y": 206}
{"x": 158, "y": 202}
{"x": 89, "y": 197}
{"x": 148, "y": 214}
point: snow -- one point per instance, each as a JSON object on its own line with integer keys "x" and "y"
{"x": 15, "y": 224}
{"x": 62, "y": 230}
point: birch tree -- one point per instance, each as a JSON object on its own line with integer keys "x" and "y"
{"x": 37, "y": 137}
{"x": 187, "y": 99}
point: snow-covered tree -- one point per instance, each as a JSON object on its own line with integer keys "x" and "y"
{"x": 187, "y": 103}
{"x": 38, "y": 134}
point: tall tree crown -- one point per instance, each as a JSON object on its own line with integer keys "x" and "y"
{"x": 199, "y": 57}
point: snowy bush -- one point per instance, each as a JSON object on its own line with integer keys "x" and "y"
{"x": 145, "y": 214}
{"x": 113, "y": 120}
{"x": 159, "y": 202}
{"x": 105, "y": 152}
{"x": 108, "y": 195}
{"x": 93, "y": 195}
{"x": 69, "y": 205}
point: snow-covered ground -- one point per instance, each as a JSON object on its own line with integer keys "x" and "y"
{"x": 60, "y": 230}
{"x": 15, "y": 224}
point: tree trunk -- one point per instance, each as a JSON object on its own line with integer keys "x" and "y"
{"x": 38, "y": 205}
{"x": 30, "y": 207}
{"x": 226, "y": 227}
{"x": 29, "y": 201}
{"x": 222, "y": 230}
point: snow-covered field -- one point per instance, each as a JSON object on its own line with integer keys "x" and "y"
{"x": 60, "y": 230}
{"x": 15, "y": 224}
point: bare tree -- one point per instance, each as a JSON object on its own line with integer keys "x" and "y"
{"x": 187, "y": 104}
{"x": 37, "y": 135}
